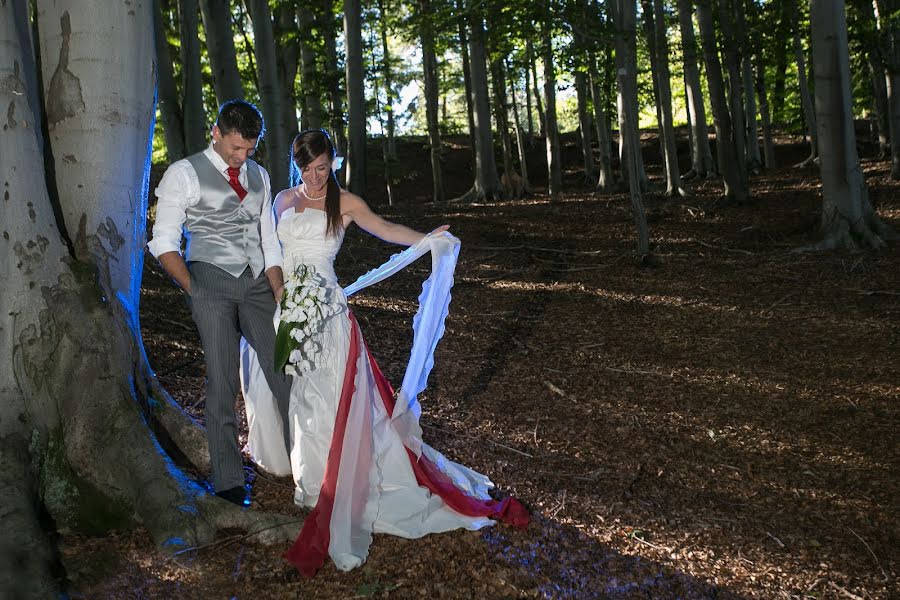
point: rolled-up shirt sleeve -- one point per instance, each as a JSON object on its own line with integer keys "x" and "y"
{"x": 271, "y": 247}
{"x": 176, "y": 192}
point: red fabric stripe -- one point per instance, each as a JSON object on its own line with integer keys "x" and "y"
{"x": 311, "y": 547}
{"x": 509, "y": 510}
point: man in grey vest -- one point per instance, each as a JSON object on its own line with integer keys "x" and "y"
{"x": 231, "y": 272}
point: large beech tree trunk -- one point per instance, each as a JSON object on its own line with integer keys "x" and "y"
{"x": 270, "y": 94}
{"x": 728, "y": 156}
{"x": 701, "y": 155}
{"x": 847, "y": 216}
{"x": 431, "y": 81}
{"x": 169, "y": 102}
{"x": 356, "y": 98}
{"x": 195, "y": 126}
{"x": 75, "y": 394}
{"x": 220, "y": 46}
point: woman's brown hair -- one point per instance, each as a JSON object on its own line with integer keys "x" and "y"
{"x": 309, "y": 145}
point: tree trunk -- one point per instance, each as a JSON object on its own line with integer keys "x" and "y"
{"x": 334, "y": 76}
{"x": 622, "y": 13}
{"x": 195, "y": 126}
{"x": 605, "y": 178}
{"x": 431, "y": 81}
{"x": 356, "y": 98}
{"x": 287, "y": 62}
{"x": 169, "y": 104}
{"x": 520, "y": 141}
{"x": 510, "y": 181}
{"x": 728, "y": 157}
{"x": 873, "y": 50}
{"x": 538, "y": 104}
{"x": 310, "y": 100}
{"x": 467, "y": 74}
{"x": 667, "y": 127}
{"x": 701, "y": 156}
{"x": 753, "y": 158}
{"x": 487, "y": 184}
{"x": 889, "y": 26}
{"x": 528, "y": 112}
{"x": 73, "y": 440}
{"x": 733, "y": 64}
{"x": 220, "y": 47}
{"x": 806, "y": 100}
{"x": 270, "y": 94}
{"x": 386, "y": 73}
{"x": 584, "y": 127}
{"x": 768, "y": 144}
{"x": 551, "y": 127}
{"x": 847, "y": 216}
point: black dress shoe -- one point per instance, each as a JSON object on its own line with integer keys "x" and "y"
{"x": 235, "y": 495}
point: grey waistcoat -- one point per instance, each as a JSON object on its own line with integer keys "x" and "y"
{"x": 220, "y": 229}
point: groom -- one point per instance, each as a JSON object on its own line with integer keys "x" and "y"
{"x": 231, "y": 272}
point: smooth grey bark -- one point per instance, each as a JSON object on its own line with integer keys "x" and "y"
{"x": 809, "y": 114}
{"x": 622, "y": 13}
{"x": 167, "y": 90}
{"x": 487, "y": 183}
{"x": 270, "y": 94}
{"x": 194, "y": 115}
{"x": 701, "y": 155}
{"x": 287, "y": 62}
{"x": 74, "y": 398}
{"x": 729, "y": 158}
{"x": 467, "y": 74}
{"x": 605, "y": 177}
{"x": 431, "y": 83}
{"x": 848, "y": 219}
{"x": 532, "y": 69}
{"x": 667, "y": 129}
{"x": 520, "y": 138}
{"x": 220, "y": 47}
{"x": 356, "y": 98}
{"x": 551, "y": 127}
{"x": 387, "y": 76}
{"x": 584, "y": 127}
{"x": 889, "y": 28}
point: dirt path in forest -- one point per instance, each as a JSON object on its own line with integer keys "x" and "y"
{"x": 722, "y": 426}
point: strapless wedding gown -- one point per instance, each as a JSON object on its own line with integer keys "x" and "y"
{"x": 357, "y": 456}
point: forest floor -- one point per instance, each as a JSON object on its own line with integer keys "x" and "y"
{"x": 724, "y": 425}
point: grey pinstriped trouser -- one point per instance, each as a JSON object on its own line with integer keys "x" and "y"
{"x": 225, "y": 308}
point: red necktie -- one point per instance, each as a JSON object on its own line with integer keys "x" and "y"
{"x": 233, "y": 173}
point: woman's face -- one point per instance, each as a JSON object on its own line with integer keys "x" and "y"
{"x": 315, "y": 175}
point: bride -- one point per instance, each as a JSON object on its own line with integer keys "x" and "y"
{"x": 357, "y": 456}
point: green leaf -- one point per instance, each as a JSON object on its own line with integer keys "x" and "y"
{"x": 284, "y": 344}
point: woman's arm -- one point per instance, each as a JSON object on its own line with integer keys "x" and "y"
{"x": 362, "y": 215}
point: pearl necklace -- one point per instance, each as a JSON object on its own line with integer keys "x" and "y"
{"x": 310, "y": 197}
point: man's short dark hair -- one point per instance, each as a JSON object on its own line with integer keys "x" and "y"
{"x": 241, "y": 117}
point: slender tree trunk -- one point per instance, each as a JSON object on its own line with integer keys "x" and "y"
{"x": 742, "y": 41}
{"x": 728, "y": 157}
{"x": 847, "y": 216}
{"x": 605, "y": 178}
{"x": 467, "y": 74}
{"x": 768, "y": 144}
{"x": 386, "y": 69}
{"x": 584, "y": 127}
{"x": 873, "y": 50}
{"x": 667, "y": 127}
{"x": 487, "y": 183}
{"x": 528, "y": 111}
{"x": 169, "y": 105}
{"x": 270, "y": 95}
{"x": 701, "y": 155}
{"x": 510, "y": 181}
{"x": 220, "y": 46}
{"x": 551, "y": 127}
{"x": 806, "y": 100}
{"x": 622, "y": 13}
{"x": 431, "y": 80}
{"x": 538, "y": 104}
{"x": 733, "y": 64}
{"x": 356, "y": 98}
{"x": 333, "y": 78}
{"x": 195, "y": 126}
{"x": 889, "y": 26}
{"x": 287, "y": 62}
{"x": 520, "y": 141}
{"x": 310, "y": 100}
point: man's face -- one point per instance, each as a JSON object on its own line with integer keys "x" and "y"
{"x": 234, "y": 149}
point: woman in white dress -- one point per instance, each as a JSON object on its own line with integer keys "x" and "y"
{"x": 356, "y": 458}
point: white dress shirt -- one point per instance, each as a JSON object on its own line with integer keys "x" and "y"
{"x": 180, "y": 189}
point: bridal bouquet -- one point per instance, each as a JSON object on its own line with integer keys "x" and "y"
{"x": 305, "y": 307}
